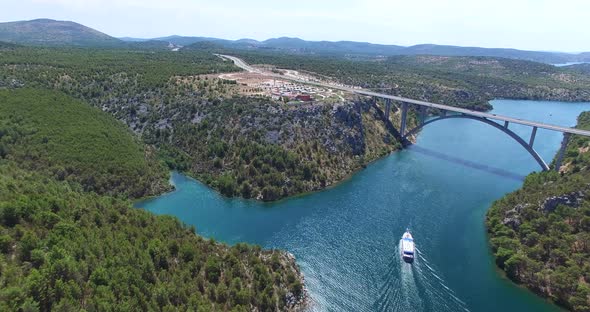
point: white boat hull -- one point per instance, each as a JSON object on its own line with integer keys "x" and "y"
{"x": 407, "y": 250}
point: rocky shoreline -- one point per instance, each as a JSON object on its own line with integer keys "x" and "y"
{"x": 294, "y": 302}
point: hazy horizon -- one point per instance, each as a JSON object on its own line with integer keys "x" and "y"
{"x": 498, "y": 24}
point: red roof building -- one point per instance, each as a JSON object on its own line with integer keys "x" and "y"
{"x": 304, "y": 97}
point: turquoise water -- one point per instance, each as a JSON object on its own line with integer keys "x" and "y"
{"x": 569, "y": 63}
{"x": 346, "y": 238}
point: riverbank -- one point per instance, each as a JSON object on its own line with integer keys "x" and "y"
{"x": 344, "y": 179}
{"x": 71, "y": 240}
{"x": 298, "y": 299}
{"x": 292, "y": 286}
{"x": 317, "y": 146}
{"x": 540, "y": 234}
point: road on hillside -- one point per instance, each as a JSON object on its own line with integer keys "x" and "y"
{"x": 242, "y": 64}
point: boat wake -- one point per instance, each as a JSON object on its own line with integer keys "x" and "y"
{"x": 435, "y": 286}
{"x": 415, "y": 287}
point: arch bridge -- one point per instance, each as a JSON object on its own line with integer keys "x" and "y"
{"x": 450, "y": 112}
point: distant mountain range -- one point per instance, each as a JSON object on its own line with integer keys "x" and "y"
{"x": 49, "y": 32}
{"x": 365, "y": 49}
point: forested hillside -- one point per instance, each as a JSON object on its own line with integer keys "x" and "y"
{"x": 259, "y": 149}
{"x": 540, "y": 234}
{"x": 47, "y": 131}
{"x": 250, "y": 147}
{"x": 63, "y": 247}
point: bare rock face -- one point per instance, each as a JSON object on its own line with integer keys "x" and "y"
{"x": 573, "y": 200}
{"x": 350, "y": 127}
{"x": 513, "y": 222}
{"x": 272, "y": 137}
{"x": 512, "y": 216}
{"x": 11, "y": 83}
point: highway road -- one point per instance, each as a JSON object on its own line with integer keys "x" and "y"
{"x": 240, "y": 63}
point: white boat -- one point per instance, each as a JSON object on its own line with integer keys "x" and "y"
{"x": 407, "y": 247}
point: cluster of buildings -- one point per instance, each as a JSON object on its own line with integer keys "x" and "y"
{"x": 280, "y": 89}
{"x": 284, "y": 89}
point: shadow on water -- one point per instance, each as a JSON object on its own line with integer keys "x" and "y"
{"x": 466, "y": 163}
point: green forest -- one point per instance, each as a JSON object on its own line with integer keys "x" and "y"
{"x": 70, "y": 239}
{"x": 540, "y": 234}
{"x": 48, "y": 131}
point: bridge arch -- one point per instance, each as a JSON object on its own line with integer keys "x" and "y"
{"x": 509, "y": 132}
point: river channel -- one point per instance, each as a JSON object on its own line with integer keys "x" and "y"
{"x": 346, "y": 238}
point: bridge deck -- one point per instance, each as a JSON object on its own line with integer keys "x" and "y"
{"x": 240, "y": 63}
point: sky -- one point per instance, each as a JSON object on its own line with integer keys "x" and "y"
{"x": 547, "y": 25}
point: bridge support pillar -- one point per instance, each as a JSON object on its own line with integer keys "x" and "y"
{"x": 566, "y": 138}
{"x": 532, "y": 139}
{"x": 422, "y": 115}
{"x": 402, "y": 129}
{"x": 387, "y": 108}
{"x": 506, "y": 124}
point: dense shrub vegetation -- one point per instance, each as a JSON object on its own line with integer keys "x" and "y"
{"x": 257, "y": 149}
{"x": 63, "y": 248}
{"x": 48, "y": 131}
{"x": 92, "y": 70}
{"x": 540, "y": 234}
